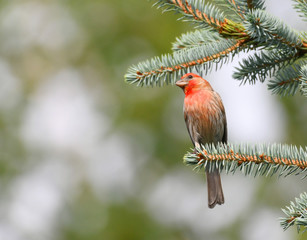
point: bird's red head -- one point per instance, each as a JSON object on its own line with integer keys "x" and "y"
{"x": 191, "y": 81}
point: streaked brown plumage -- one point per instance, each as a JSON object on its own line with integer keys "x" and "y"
{"x": 205, "y": 118}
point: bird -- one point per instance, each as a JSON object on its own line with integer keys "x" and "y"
{"x": 205, "y": 118}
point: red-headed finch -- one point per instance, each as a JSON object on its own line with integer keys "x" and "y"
{"x": 205, "y": 118}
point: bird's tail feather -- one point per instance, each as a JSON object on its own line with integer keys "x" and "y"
{"x": 215, "y": 191}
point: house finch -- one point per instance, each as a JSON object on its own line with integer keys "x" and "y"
{"x": 205, "y": 119}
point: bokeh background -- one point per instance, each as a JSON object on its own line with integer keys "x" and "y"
{"x": 86, "y": 156}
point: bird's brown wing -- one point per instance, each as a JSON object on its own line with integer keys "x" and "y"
{"x": 189, "y": 125}
{"x": 225, "y": 135}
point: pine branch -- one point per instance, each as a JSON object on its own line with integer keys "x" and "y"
{"x": 255, "y": 4}
{"x": 221, "y": 38}
{"x": 236, "y": 9}
{"x": 227, "y": 7}
{"x": 258, "y": 160}
{"x": 195, "y": 39}
{"x": 265, "y": 28}
{"x": 199, "y": 12}
{"x": 288, "y": 79}
{"x": 239, "y": 7}
{"x": 263, "y": 64}
{"x": 301, "y": 7}
{"x": 207, "y": 15}
{"x": 303, "y": 72}
{"x": 164, "y": 70}
{"x": 296, "y": 214}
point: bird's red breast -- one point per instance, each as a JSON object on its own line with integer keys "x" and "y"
{"x": 203, "y": 110}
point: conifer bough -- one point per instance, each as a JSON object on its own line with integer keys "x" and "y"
{"x": 258, "y": 160}
{"x": 296, "y": 214}
{"x": 224, "y": 29}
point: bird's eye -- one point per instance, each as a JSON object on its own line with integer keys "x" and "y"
{"x": 190, "y": 76}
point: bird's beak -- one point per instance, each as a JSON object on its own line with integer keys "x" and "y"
{"x": 181, "y": 83}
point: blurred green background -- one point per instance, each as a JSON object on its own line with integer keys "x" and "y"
{"x": 87, "y": 156}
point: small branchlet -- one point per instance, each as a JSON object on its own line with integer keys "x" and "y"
{"x": 303, "y": 80}
{"x": 301, "y": 7}
{"x": 264, "y": 64}
{"x": 296, "y": 214}
{"x": 265, "y": 28}
{"x": 201, "y": 13}
{"x": 167, "y": 69}
{"x": 258, "y": 160}
{"x": 288, "y": 80}
{"x": 195, "y": 39}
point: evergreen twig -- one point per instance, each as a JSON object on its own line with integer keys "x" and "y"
{"x": 261, "y": 65}
{"x": 265, "y": 28}
{"x": 201, "y": 13}
{"x": 296, "y": 214}
{"x": 303, "y": 80}
{"x": 288, "y": 79}
{"x": 301, "y": 7}
{"x": 167, "y": 69}
{"x": 195, "y": 39}
{"x": 258, "y": 160}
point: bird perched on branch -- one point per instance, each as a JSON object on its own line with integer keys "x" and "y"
{"x": 205, "y": 119}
